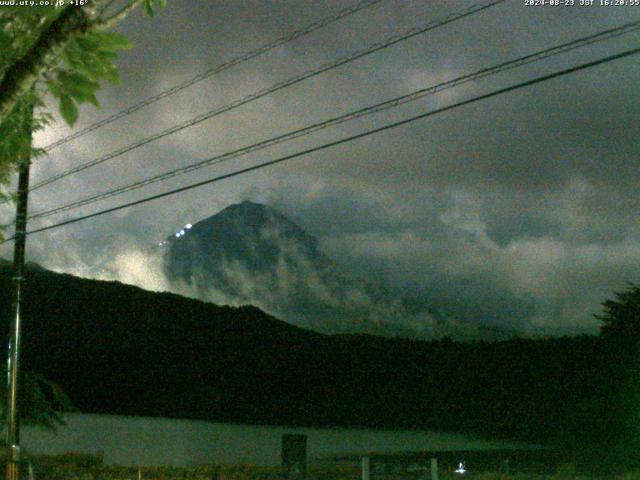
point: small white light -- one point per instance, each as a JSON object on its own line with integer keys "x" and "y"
{"x": 188, "y": 225}
{"x": 178, "y": 234}
{"x": 461, "y": 470}
{"x": 181, "y": 232}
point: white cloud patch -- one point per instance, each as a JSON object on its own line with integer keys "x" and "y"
{"x": 136, "y": 267}
{"x": 529, "y": 195}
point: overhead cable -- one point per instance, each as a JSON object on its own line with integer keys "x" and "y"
{"x": 452, "y": 17}
{"x": 369, "y": 110}
{"x": 341, "y": 141}
{"x": 217, "y": 69}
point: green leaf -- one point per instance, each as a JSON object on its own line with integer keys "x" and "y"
{"x": 88, "y": 43}
{"x": 77, "y": 84}
{"x": 5, "y": 41}
{"x": 72, "y": 54}
{"x": 148, "y": 7}
{"x": 93, "y": 100}
{"x": 90, "y": 65}
{"x": 162, "y": 3}
{"x": 68, "y": 109}
{"x": 108, "y": 71}
{"x": 99, "y": 66}
{"x": 54, "y": 88}
{"x": 111, "y": 41}
{"x": 112, "y": 75}
{"x": 106, "y": 57}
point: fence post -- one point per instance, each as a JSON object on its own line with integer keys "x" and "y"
{"x": 294, "y": 456}
{"x": 366, "y": 468}
{"x": 434, "y": 469}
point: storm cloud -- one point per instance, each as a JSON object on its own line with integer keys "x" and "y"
{"x": 521, "y": 209}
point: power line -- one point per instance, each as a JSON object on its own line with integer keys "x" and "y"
{"x": 274, "y": 88}
{"x": 218, "y": 69}
{"x": 379, "y": 107}
{"x": 325, "y": 146}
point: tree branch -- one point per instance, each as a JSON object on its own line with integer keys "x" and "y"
{"x": 118, "y": 16}
{"x": 106, "y": 6}
{"x": 24, "y": 73}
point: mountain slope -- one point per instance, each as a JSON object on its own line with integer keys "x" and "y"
{"x": 251, "y": 254}
{"x": 122, "y": 350}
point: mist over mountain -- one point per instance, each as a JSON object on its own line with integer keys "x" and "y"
{"x": 249, "y": 253}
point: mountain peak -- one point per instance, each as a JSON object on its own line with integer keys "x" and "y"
{"x": 252, "y": 222}
{"x": 248, "y": 206}
{"x": 249, "y": 253}
{"x": 255, "y": 214}
{"x": 231, "y": 249}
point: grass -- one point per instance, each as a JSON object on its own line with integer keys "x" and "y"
{"x": 88, "y": 467}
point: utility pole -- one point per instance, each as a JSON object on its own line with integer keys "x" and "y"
{"x": 13, "y": 355}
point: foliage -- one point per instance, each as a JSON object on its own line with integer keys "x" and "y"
{"x": 88, "y": 59}
{"x": 620, "y": 333}
{"x": 621, "y": 317}
{"x": 566, "y": 470}
{"x": 63, "y": 51}
{"x": 15, "y": 138}
{"x": 74, "y": 466}
{"x": 41, "y": 402}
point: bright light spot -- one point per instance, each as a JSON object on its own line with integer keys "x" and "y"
{"x": 461, "y": 470}
{"x": 181, "y": 232}
{"x": 178, "y": 234}
{"x": 188, "y": 225}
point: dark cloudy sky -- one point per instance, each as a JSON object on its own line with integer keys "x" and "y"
{"x": 522, "y": 209}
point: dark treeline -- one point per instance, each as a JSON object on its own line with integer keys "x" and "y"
{"x": 122, "y": 350}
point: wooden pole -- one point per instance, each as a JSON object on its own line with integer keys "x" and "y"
{"x": 366, "y": 468}
{"x": 434, "y": 469}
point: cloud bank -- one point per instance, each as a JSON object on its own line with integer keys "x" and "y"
{"x": 521, "y": 209}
